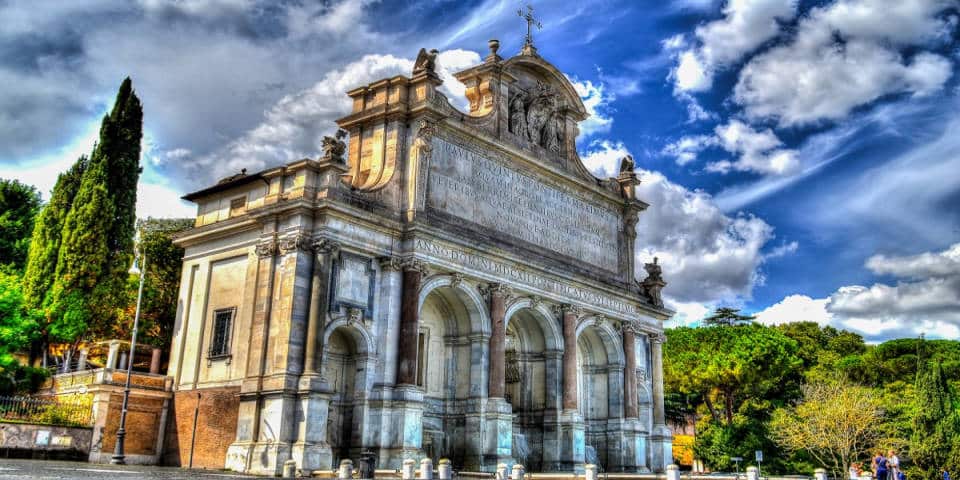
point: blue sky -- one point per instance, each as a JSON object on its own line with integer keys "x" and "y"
{"x": 802, "y": 159}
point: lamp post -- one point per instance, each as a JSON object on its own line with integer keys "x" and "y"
{"x": 118, "y": 456}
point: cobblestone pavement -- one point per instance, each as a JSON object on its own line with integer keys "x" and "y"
{"x": 47, "y": 469}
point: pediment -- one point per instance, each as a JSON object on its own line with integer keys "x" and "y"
{"x": 537, "y": 77}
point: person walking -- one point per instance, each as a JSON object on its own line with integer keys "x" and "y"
{"x": 880, "y": 471}
{"x": 893, "y": 464}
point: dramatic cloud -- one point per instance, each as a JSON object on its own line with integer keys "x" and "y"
{"x": 597, "y": 102}
{"x": 758, "y": 151}
{"x": 845, "y": 55}
{"x": 926, "y": 299}
{"x": 707, "y": 256}
{"x": 746, "y": 25}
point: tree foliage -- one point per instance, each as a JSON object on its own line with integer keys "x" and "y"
{"x": 936, "y": 424}
{"x": 96, "y": 243}
{"x": 19, "y": 205}
{"x": 45, "y": 241}
{"x": 835, "y": 422}
{"x": 18, "y": 327}
{"x": 726, "y": 316}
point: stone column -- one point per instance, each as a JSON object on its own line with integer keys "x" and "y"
{"x": 498, "y": 338}
{"x": 154, "y": 360}
{"x": 570, "y": 314}
{"x": 661, "y": 438}
{"x": 112, "y": 354}
{"x": 630, "y": 372}
{"x": 413, "y": 271}
{"x": 324, "y": 252}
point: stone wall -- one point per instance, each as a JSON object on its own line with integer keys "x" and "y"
{"x": 216, "y": 427}
{"x": 46, "y": 441}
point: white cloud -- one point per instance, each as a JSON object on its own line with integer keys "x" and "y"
{"x": 161, "y": 201}
{"x": 597, "y": 102}
{"x": 746, "y": 25}
{"x": 687, "y": 148}
{"x": 707, "y": 256}
{"x": 925, "y": 300}
{"x": 758, "y": 151}
{"x": 845, "y": 55}
{"x": 796, "y": 308}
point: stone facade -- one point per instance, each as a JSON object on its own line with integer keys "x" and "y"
{"x": 440, "y": 283}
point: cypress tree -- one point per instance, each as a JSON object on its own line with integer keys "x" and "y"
{"x": 97, "y": 238}
{"x": 45, "y": 241}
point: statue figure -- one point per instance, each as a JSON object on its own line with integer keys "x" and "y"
{"x": 551, "y": 133}
{"x": 335, "y": 147}
{"x": 651, "y": 286}
{"x": 536, "y": 118}
{"x": 518, "y": 117}
{"x": 426, "y": 62}
{"x": 626, "y": 164}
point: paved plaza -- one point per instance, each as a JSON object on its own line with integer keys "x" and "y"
{"x": 46, "y": 469}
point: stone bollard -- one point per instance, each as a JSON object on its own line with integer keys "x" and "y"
{"x": 589, "y": 472}
{"x": 290, "y": 469}
{"x": 517, "y": 471}
{"x": 673, "y": 472}
{"x": 155, "y": 360}
{"x": 112, "y": 354}
{"x": 409, "y": 466}
{"x": 123, "y": 361}
{"x": 444, "y": 469}
{"x": 426, "y": 469}
{"x": 502, "y": 471}
{"x": 346, "y": 469}
{"x": 820, "y": 474}
{"x": 753, "y": 473}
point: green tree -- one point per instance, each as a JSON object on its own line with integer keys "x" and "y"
{"x": 18, "y": 327}
{"x": 739, "y": 375}
{"x": 19, "y": 205}
{"x": 727, "y": 316}
{"x": 936, "y": 425}
{"x": 164, "y": 262}
{"x": 96, "y": 245}
{"x": 45, "y": 241}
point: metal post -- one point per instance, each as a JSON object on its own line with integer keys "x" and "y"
{"x": 118, "y": 455}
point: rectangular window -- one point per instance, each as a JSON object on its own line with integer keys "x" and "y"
{"x": 238, "y": 206}
{"x": 421, "y": 359}
{"x": 222, "y": 325}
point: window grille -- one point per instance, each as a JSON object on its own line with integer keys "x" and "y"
{"x": 222, "y": 326}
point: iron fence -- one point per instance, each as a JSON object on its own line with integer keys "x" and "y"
{"x": 56, "y": 411}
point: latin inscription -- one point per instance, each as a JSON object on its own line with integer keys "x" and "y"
{"x": 488, "y": 193}
{"x": 526, "y": 278}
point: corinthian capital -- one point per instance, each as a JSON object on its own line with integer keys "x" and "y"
{"x": 325, "y": 246}
{"x": 266, "y": 248}
{"x": 293, "y": 243}
{"x": 566, "y": 308}
{"x": 411, "y": 264}
{"x": 490, "y": 289}
{"x": 658, "y": 338}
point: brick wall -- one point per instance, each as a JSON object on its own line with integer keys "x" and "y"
{"x": 143, "y": 423}
{"x": 216, "y": 427}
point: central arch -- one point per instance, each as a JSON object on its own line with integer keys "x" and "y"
{"x": 600, "y": 390}
{"x": 454, "y": 329}
{"x": 533, "y": 367}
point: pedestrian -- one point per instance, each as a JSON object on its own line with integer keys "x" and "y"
{"x": 893, "y": 464}
{"x": 946, "y": 474}
{"x": 880, "y": 473}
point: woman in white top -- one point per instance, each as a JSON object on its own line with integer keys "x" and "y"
{"x": 893, "y": 463}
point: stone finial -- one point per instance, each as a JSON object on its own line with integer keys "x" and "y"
{"x": 334, "y": 147}
{"x": 651, "y": 286}
{"x": 494, "y": 47}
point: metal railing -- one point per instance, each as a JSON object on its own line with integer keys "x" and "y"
{"x": 73, "y": 412}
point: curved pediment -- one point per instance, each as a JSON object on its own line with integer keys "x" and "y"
{"x": 534, "y": 75}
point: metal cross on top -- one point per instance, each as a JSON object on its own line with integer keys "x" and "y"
{"x": 531, "y": 22}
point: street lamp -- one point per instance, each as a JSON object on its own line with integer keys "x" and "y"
{"x": 118, "y": 456}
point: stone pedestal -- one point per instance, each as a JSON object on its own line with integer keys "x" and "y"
{"x": 564, "y": 443}
{"x": 311, "y": 450}
{"x": 489, "y": 435}
{"x": 634, "y": 447}
{"x": 402, "y": 434}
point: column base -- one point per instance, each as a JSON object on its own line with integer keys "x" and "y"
{"x": 312, "y": 456}
{"x": 489, "y": 435}
{"x": 635, "y": 447}
{"x": 565, "y": 451}
{"x": 661, "y": 448}
{"x": 258, "y": 458}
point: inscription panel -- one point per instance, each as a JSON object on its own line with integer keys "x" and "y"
{"x": 491, "y": 194}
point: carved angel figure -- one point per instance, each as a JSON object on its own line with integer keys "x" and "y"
{"x": 651, "y": 286}
{"x": 537, "y": 117}
{"x": 626, "y": 164}
{"x": 426, "y": 61}
{"x": 335, "y": 147}
{"x": 518, "y": 115}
